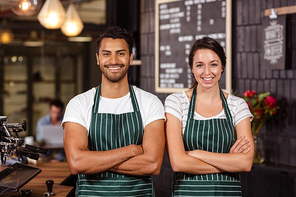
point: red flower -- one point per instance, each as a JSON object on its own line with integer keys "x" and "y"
{"x": 262, "y": 106}
{"x": 271, "y": 101}
{"x": 250, "y": 93}
{"x": 274, "y": 111}
{"x": 257, "y": 114}
{"x": 249, "y": 104}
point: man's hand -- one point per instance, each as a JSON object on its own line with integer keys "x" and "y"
{"x": 150, "y": 157}
{"x": 137, "y": 149}
{"x": 83, "y": 161}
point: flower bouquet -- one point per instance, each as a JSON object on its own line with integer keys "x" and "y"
{"x": 262, "y": 106}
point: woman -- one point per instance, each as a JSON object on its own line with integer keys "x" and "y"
{"x": 208, "y": 131}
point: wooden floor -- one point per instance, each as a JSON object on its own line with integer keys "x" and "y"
{"x": 57, "y": 172}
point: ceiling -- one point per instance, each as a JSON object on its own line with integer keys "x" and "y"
{"x": 91, "y": 12}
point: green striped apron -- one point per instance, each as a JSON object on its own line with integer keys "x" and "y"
{"x": 213, "y": 135}
{"x": 111, "y": 131}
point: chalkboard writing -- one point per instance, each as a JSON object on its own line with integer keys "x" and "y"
{"x": 180, "y": 23}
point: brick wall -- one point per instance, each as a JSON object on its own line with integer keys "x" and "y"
{"x": 147, "y": 35}
{"x": 162, "y": 182}
{"x": 279, "y": 136}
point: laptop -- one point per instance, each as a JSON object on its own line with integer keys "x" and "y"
{"x": 52, "y": 135}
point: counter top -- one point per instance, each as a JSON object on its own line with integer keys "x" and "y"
{"x": 57, "y": 172}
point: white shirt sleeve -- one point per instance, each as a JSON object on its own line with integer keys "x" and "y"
{"x": 155, "y": 111}
{"x": 240, "y": 109}
{"x": 173, "y": 105}
{"x": 79, "y": 109}
{"x": 177, "y": 104}
{"x": 150, "y": 106}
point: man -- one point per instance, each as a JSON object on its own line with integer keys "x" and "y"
{"x": 114, "y": 133}
{"x": 54, "y": 117}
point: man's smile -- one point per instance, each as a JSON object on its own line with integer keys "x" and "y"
{"x": 114, "y": 68}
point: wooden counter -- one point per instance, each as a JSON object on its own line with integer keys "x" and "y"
{"x": 57, "y": 172}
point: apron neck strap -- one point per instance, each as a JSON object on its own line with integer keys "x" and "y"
{"x": 226, "y": 109}
{"x": 192, "y": 105}
{"x": 134, "y": 98}
{"x": 98, "y": 94}
{"x": 95, "y": 108}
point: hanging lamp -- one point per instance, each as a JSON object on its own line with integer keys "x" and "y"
{"x": 33, "y": 40}
{"x": 6, "y": 36}
{"x": 25, "y": 7}
{"x": 52, "y": 14}
{"x": 73, "y": 24}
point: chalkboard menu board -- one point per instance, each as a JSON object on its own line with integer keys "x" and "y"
{"x": 178, "y": 25}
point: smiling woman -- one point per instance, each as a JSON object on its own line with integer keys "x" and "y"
{"x": 213, "y": 47}
{"x": 207, "y": 67}
{"x": 208, "y": 131}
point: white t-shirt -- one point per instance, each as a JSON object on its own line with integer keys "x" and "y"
{"x": 79, "y": 108}
{"x": 177, "y": 104}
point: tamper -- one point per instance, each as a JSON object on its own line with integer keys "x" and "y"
{"x": 49, "y": 192}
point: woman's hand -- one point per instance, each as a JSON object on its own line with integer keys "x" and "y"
{"x": 241, "y": 145}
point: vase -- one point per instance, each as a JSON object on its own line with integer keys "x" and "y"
{"x": 258, "y": 151}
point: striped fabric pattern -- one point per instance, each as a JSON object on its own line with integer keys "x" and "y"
{"x": 177, "y": 104}
{"x": 128, "y": 186}
{"x": 207, "y": 188}
{"x": 213, "y": 135}
{"x": 107, "y": 132}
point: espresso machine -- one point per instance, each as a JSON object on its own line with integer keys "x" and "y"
{"x": 15, "y": 176}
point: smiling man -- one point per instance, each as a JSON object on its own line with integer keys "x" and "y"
{"x": 114, "y": 133}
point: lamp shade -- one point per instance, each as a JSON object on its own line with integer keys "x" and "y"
{"x": 52, "y": 14}
{"x": 25, "y": 7}
{"x": 5, "y": 36}
{"x": 33, "y": 41}
{"x": 73, "y": 24}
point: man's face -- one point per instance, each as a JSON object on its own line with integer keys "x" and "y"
{"x": 55, "y": 113}
{"x": 114, "y": 59}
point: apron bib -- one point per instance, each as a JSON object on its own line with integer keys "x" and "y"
{"x": 110, "y": 131}
{"x": 213, "y": 135}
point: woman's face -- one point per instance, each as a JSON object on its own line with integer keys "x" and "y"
{"x": 206, "y": 68}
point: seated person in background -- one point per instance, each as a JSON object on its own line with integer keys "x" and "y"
{"x": 54, "y": 117}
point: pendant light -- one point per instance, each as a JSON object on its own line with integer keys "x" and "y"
{"x": 25, "y": 7}
{"x": 33, "y": 41}
{"x": 73, "y": 24}
{"x": 6, "y": 36}
{"x": 52, "y": 14}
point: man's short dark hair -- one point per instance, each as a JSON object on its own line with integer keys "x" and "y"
{"x": 116, "y": 32}
{"x": 58, "y": 103}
